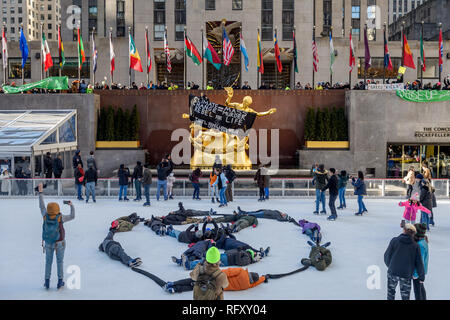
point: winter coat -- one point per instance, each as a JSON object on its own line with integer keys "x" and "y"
{"x": 305, "y": 225}
{"x": 188, "y": 236}
{"x": 411, "y": 210}
{"x": 170, "y": 180}
{"x": 230, "y": 174}
{"x": 48, "y": 164}
{"x": 423, "y": 244}
{"x": 79, "y": 176}
{"x": 222, "y": 179}
{"x": 427, "y": 173}
{"x": 64, "y": 217}
{"x": 426, "y": 198}
{"x": 137, "y": 172}
{"x": 154, "y": 224}
{"x": 76, "y": 160}
{"x": 212, "y": 179}
{"x": 4, "y": 182}
{"x": 403, "y": 256}
{"x": 125, "y": 225}
{"x": 221, "y": 280}
{"x": 198, "y": 250}
{"x": 360, "y": 187}
{"x": 332, "y": 185}
{"x": 230, "y": 242}
{"x": 342, "y": 181}
{"x": 410, "y": 178}
{"x": 195, "y": 177}
{"x": 91, "y": 162}
{"x": 123, "y": 175}
{"x": 320, "y": 179}
{"x": 239, "y": 279}
{"x": 163, "y": 171}
{"x": 259, "y": 178}
{"x": 57, "y": 166}
{"x": 91, "y": 175}
{"x": 147, "y": 178}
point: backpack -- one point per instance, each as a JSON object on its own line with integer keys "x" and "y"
{"x": 205, "y": 286}
{"x": 51, "y": 228}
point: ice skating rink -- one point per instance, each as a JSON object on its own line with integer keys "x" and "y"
{"x": 356, "y": 244}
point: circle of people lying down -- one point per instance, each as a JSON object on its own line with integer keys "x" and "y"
{"x": 218, "y": 231}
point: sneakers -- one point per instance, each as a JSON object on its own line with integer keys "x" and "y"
{"x": 47, "y": 284}
{"x": 168, "y": 287}
{"x": 60, "y": 284}
{"x": 213, "y": 200}
{"x": 169, "y": 229}
{"x": 323, "y": 212}
{"x": 134, "y": 262}
{"x": 176, "y": 260}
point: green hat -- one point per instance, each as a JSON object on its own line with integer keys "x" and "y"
{"x": 213, "y": 255}
{"x": 252, "y": 253}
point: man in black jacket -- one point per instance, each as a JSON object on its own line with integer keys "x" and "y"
{"x": 90, "y": 177}
{"x": 230, "y": 175}
{"x": 402, "y": 257}
{"x": 57, "y": 168}
{"x": 137, "y": 177}
{"x": 48, "y": 166}
{"x": 163, "y": 170}
{"x": 332, "y": 185}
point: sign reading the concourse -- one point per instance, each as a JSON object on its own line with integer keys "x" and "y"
{"x": 433, "y": 132}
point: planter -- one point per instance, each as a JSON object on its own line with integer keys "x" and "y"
{"x": 117, "y": 144}
{"x": 327, "y": 144}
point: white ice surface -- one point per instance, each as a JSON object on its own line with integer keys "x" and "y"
{"x": 357, "y": 243}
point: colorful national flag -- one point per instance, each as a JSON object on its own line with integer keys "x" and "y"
{"x": 387, "y": 56}
{"x": 352, "y": 60}
{"x": 277, "y": 52}
{"x": 62, "y": 59}
{"x": 23, "y": 48}
{"x": 244, "y": 53}
{"x": 94, "y": 54}
{"x": 295, "y": 52}
{"x": 441, "y": 50}
{"x": 191, "y": 51}
{"x": 210, "y": 54}
{"x": 315, "y": 54}
{"x": 260, "y": 61}
{"x": 332, "y": 53}
{"x": 408, "y": 60}
{"x": 367, "y": 57}
{"x": 147, "y": 50}
{"x": 4, "y": 49}
{"x": 135, "y": 59}
{"x": 228, "y": 49}
{"x": 46, "y": 56}
{"x": 112, "y": 56}
{"x": 81, "y": 55}
{"x": 167, "y": 53}
{"x": 422, "y": 54}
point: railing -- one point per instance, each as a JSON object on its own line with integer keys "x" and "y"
{"x": 242, "y": 187}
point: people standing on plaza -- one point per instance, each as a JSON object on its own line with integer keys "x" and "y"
{"x": 231, "y": 175}
{"x": 77, "y": 159}
{"x": 320, "y": 180}
{"x": 53, "y": 236}
{"x": 426, "y": 199}
{"x": 91, "y": 161}
{"x": 342, "y": 187}
{"x": 332, "y": 186}
{"x": 79, "y": 181}
{"x": 221, "y": 183}
{"x": 147, "y": 182}
{"x": 266, "y": 182}
{"x": 403, "y": 257}
{"x": 260, "y": 181}
{"x": 58, "y": 168}
{"x": 170, "y": 182}
{"x": 4, "y": 188}
{"x": 123, "y": 174}
{"x": 360, "y": 191}
{"x": 213, "y": 187}
{"x": 426, "y": 172}
{"x": 162, "y": 169}
{"x": 422, "y": 241}
{"x": 91, "y": 182}
{"x": 48, "y": 166}
{"x": 195, "y": 179}
{"x": 137, "y": 177}
{"x": 410, "y": 179}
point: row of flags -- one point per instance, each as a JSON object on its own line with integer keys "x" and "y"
{"x": 210, "y": 54}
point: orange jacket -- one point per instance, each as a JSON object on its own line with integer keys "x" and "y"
{"x": 238, "y": 279}
{"x": 212, "y": 178}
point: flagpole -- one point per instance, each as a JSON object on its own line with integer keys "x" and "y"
{"x": 148, "y": 53}
{"x": 240, "y": 52}
{"x": 351, "y": 64}
{"x": 314, "y": 39}
{"x": 276, "y": 69}
{"x": 440, "y": 66}
{"x": 203, "y": 62}
{"x": 59, "y": 53}
{"x": 365, "y": 64}
{"x": 93, "y": 54}
{"x": 223, "y": 66}
{"x": 384, "y": 62}
{"x": 403, "y": 43}
{"x": 167, "y": 39}
{"x": 3, "y": 58}
{"x": 257, "y": 71}
{"x": 294, "y": 63}
{"x": 331, "y": 66}
{"x": 110, "y": 69}
{"x": 23, "y": 66}
{"x": 184, "y": 62}
{"x": 422, "y": 54}
{"x": 42, "y": 64}
{"x": 129, "y": 58}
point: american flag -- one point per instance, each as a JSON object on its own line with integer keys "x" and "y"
{"x": 228, "y": 49}
{"x": 315, "y": 54}
{"x": 167, "y": 53}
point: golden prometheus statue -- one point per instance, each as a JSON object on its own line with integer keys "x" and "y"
{"x": 211, "y": 144}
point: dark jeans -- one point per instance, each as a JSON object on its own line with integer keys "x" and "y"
{"x": 57, "y": 176}
{"x": 147, "y": 193}
{"x": 409, "y": 191}
{"x": 332, "y": 205}
{"x": 262, "y": 194}
{"x": 138, "y": 186}
{"x": 419, "y": 290}
{"x": 196, "y": 194}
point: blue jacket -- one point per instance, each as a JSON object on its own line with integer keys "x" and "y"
{"x": 229, "y": 243}
{"x": 224, "y": 180}
{"x": 360, "y": 187}
{"x": 198, "y": 250}
{"x": 424, "y": 253}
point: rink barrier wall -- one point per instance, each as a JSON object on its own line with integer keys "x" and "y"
{"x": 241, "y": 187}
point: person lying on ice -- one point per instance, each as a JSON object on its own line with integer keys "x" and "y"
{"x": 227, "y": 242}
{"x": 268, "y": 214}
{"x": 311, "y": 229}
{"x": 156, "y": 225}
{"x": 114, "y": 250}
{"x": 127, "y": 223}
{"x": 195, "y": 252}
{"x": 181, "y": 216}
{"x": 239, "y": 221}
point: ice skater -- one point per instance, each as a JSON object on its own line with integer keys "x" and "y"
{"x": 320, "y": 179}
{"x": 221, "y": 183}
{"x": 422, "y": 241}
{"x": 426, "y": 199}
{"x": 411, "y": 207}
{"x": 332, "y": 186}
{"x": 360, "y": 191}
{"x": 268, "y": 214}
{"x": 342, "y": 187}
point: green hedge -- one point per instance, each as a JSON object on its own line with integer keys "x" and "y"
{"x": 326, "y": 125}
{"x": 118, "y": 125}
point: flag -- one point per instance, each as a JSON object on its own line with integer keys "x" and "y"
{"x": 46, "y": 56}
{"x": 135, "y": 59}
{"x": 260, "y": 61}
{"x": 4, "y": 49}
{"x": 352, "y": 61}
{"x": 387, "y": 56}
{"x": 422, "y": 54}
{"x": 408, "y": 60}
{"x": 147, "y": 49}
{"x": 94, "y": 54}
{"x": 332, "y": 54}
{"x": 210, "y": 54}
{"x": 277, "y": 53}
{"x": 23, "y": 48}
{"x": 167, "y": 53}
{"x": 315, "y": 54}
{"x": 191, "y": 51}
{"x": 112, "y": 56}
{"x": 62, "y": 59}
{"x": 244, "y": 53}
{"x": 295, "y": 53}
{"x": 441, "y": 50}
{"x": 80, "y": 47}
{"x": 228, "y": 49}
{"x": 367, "y": 57}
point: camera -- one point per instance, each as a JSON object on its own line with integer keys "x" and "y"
{"x": 66, "y": 201}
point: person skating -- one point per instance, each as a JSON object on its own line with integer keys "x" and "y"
{"x": 410, "y": 180}
{"x": 402, "y": 257}
{"x": 411, "y": 207}
{"x": 138, "y": 174}
{"x": 230, "y": 174}
{"x": 342, "y": 187}
{"x": 360, "y": 191}
{"x": 79, "y": 181}
{"x": 311, "y": 229}
{"x": 147, "y": 182}
{"x": 213, "y": 187}
{"x": 195, "y": 179}
{"x": 266, "y": 183}
{"x": 332, "y": 185}
{"x": 426, "y": 199}
{"x": 260, "y": 181}
{"x": 53, "y": 236}
{"x": 115, "y": 251}
{"x": 91, "y": 161}
{"x": 91, "y": 182}
{"x": 170, "y": 182}
{"x": 123, "y": 175}
{"x": 268, "y": 214}
{"x": 209, "y": 279}
{"x": 422, "y": 241}
{"x": 320, "y": 179}
{"x": 221, "y": 183}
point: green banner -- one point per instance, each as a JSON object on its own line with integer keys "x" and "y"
{"x": 424, "y": 95}
{"x": 52, "y": 83}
